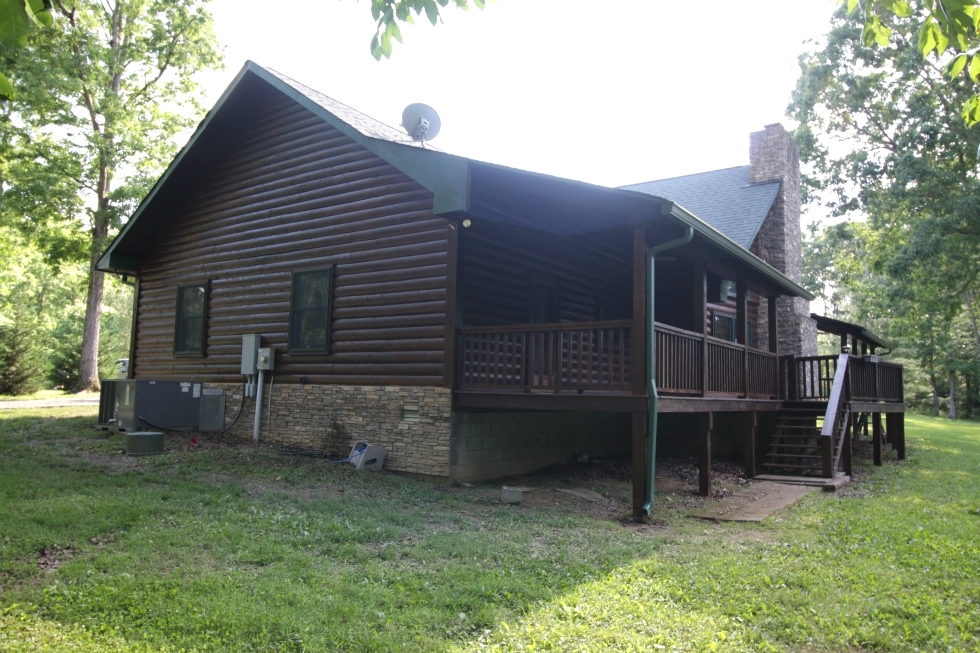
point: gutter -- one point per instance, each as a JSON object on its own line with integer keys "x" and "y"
{"x": 654, "y": 398}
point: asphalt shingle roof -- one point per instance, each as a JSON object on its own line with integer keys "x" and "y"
{"x": 363, "y": 123}
{"x": 723, "y": 198}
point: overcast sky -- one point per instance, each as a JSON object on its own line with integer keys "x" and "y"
{"x": 606, "y": 91}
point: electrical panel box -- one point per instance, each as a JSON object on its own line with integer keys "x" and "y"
{"x": 267, "y": 359}
{"x": 212, "y": 416}
{"x": 250, "y": 353}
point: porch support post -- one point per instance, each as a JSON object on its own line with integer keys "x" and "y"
{"x": 742, "y": 330}
{"x": 706, "y": 424}
{"x": 751, "y": 427}
{"x": 877, "y": 437}
{"x": 773, "y": 322}
{"x": 701, "y": 319}
{"x": 449, "y": 346}
{"x": 895, "y": 422}
{"x": 638, "y": 341}
{"x": 638, "y": 366}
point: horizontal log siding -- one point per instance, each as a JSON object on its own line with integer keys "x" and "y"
{"x": 497, "y": 267}
{"x": 296, "y": 194}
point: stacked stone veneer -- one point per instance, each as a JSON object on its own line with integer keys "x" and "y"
{"x": 412, "y": 423}
{"x": 491, "y": 445}
{"x": 773, "y": 156}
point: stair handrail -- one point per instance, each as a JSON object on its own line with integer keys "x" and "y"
{"x": 839, "y": 398}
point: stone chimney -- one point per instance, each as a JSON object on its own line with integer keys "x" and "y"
{"x": 773, "y": 156}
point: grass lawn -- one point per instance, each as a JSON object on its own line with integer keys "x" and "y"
{"x": 237, "y": 548}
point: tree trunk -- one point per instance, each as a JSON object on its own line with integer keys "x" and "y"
{"x": 88, "y": 369}
{"x": 952, "y": 394}
{"x": 935, "y": 393}
{"x": 967, "y": 397}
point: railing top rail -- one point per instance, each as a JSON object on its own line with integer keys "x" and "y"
{"x": 555, "y": 326}
{"x": 803, "y": 359}
{"x": 666, "y": 328}
{"x": 837, "y": 397}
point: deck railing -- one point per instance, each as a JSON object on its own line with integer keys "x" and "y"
{"x": 595, "y": 356}
{"x": 579, "y": 356}
{"x": 869, "y": 379}
{"x": 690, "y": 363}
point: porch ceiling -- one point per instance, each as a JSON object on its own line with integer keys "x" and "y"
{"x": 572, "y": 209}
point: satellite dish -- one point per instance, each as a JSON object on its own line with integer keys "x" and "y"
{"x": 421, "y": 122}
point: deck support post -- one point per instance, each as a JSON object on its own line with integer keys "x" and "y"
{"x": 895, "y": 422}
{"x": 751, "y": 428}
{"x": 847, "y": 450}
{"x": 639, "y": 468}
{"x": 877, "y": 437}
{"x": 706, "y": 424}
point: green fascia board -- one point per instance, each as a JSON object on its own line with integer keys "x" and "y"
{"x": 119, "y": 263}
{"x": 445, "y": 175}
{"x": 726, "y": 244}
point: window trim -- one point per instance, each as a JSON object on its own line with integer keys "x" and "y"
{"x": 202, "y": 352}
{"x": 292, "y": 348}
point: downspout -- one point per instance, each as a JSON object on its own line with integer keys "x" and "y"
{"x": 654, "y": 398}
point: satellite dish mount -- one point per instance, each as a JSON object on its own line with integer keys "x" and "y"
{"x": 421, "y": 122}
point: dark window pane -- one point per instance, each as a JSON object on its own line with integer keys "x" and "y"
{"x": 723, "y": 326}
{"x": 310, "y": 314}
{"x": 189, "y": 331}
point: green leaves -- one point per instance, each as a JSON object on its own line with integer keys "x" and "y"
{"x": 388, "y": 13}
{"x": 15, "y": 24}
{"x": 946, "y": 25}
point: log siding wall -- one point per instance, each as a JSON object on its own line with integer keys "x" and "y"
{"x": 292, "y": 193}
{"x": 498, "y": 268}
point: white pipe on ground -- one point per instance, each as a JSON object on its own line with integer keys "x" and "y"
{"x": 258, "y": 407}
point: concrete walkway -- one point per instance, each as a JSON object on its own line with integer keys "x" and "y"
{"x": 755, "y": 502}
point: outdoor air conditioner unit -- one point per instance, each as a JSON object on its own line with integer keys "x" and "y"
{"x": 133, "y": 405}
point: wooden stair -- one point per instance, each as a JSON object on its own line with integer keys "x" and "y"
{"x": 794, "y": 449}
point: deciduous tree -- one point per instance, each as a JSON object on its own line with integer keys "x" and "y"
{"x": 882, "y": 137}
{"x": 101, "y": 95}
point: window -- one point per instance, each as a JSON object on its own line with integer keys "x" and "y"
{"x": 309, "y": 317}
{"x": 192, "y": 302}
{"x": 750, "y": 335}
{"x": 723, "y": 326}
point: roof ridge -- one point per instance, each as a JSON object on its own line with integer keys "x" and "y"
{"x": 692, "y": 174}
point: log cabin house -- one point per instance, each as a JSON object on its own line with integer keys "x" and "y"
{"x": 477, "y": 320}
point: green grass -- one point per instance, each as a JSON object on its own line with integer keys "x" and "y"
{"x": 237, "y": 548}
{"x": 49, "y": 394}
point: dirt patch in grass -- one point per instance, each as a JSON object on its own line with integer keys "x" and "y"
{"x": 52, "y": 557}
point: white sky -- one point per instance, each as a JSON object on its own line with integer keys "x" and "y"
{"x": 606, "y": 91}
